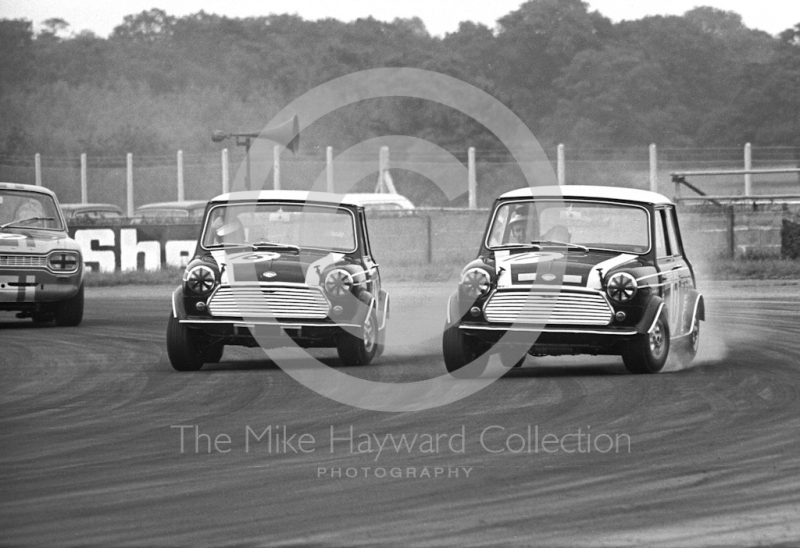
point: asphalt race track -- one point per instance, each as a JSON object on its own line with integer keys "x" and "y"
{"x": 91, "y": 418}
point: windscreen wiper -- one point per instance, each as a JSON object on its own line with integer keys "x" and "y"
{"x": 272, "y": 245}
{"x": 555, "y": 243}
{"x": 26, "y": 221}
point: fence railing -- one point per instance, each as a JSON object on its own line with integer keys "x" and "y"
{"x": 131, "y": 180}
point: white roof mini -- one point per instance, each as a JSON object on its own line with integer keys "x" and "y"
{"x": 28, "y": 188}
{"x": 287, "y": 195}
{"x": 588, "y": 191}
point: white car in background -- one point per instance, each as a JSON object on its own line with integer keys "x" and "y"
{"x": 41, "y": 267}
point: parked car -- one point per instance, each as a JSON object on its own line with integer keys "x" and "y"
{"x": 380, "y": 201}
{"x": 577, "y": 270}
{"x": 91, "y": 212}
{"x": 41, "y": 268}
{"x": 303, "y": 268}
{"x": 186, "y": 209}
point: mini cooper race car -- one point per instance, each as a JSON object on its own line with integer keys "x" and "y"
{"x": 277, "y": 265}
{"x": 577, "y": 270}
{"x": 41, "y": 268}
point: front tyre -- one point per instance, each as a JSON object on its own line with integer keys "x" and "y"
{"x": 69, "y": 312}
{"x": 648, "y": 352}
{"x": 186, "y": 347}
{"x": 360, "y": 350}
{"x": 460, "y": 350}
{"x": 686, "y": 350}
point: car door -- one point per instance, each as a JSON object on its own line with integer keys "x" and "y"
{"x": 373, "y": 273}
{"x": 672, "y": 266}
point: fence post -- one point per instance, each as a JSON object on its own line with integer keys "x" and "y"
{"x": 84, "y": 181}
{"x": 180, "y": 176}
{"x": 748, "y": 165}
{"x": 471, "y": 179}
{"x": 37, "y": 168}
{"x": 329, "y": 186}
{"x": 561, "y": 165}
{"x": 129, "y": 185}
{"x": 225, "y": 173}
{"x": 276, "y": 167}
{"x": 653, "y": 168}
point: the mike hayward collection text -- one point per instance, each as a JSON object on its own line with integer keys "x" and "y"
{"x": 493, "y": 439}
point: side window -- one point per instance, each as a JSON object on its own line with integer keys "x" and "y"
{"x": 367, "y": 249}
{"x": 661, "y": 242}
{"x": 672, "y": 232}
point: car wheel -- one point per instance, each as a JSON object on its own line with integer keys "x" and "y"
{"x": 687, "y": 350}
{"x": 511, "y": 359}
{"x": 69, "y": 312}
{"x": 460, "y": 350}
{"x": 361, "y": 350}
{"x": 186, "y": 347}
{"x": 648, "y": 352}
{"x": 213, "y": 354}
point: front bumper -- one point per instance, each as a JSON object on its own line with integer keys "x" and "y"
{"x": 24, "y": 287}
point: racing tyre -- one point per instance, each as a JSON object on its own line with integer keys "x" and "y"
{"x": 686, "y": 350}
{"x": 648, "y": 352}
{"x": 213, "y": 354}
{"x": 512, "y": 359}
{"x": 186, "y": 347}
{"x": 459, "y": 351}
{"x": 69, "y": 312}
{"x": 361, "y": 350}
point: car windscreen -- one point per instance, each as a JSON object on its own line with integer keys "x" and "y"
{"x": 23, "y": 209}
{"x": 597, "y": 225}
{"x": 305, "y": 226}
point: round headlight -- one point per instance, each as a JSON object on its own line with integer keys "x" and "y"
{"x": 338, "y": 283}
{"x": 200, "y": 279}
{"x": 475, "y": 282}
{"x": 621, "y": 287}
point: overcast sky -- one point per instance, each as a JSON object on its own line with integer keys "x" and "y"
{"x": 440, "y": 16}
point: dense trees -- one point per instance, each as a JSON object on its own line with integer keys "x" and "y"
{"x": 161, "y": 82}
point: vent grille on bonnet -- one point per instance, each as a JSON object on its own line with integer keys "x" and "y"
{"x": 268, "y": 301}
{"x": 548, "y": 307}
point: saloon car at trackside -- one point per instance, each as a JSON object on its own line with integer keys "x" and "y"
{"x": 276, "y": 268}
{"x": 41, "y": 268}
{"x": 577, "y": 270}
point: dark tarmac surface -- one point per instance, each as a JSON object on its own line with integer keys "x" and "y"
{"x": 91, "y": 418}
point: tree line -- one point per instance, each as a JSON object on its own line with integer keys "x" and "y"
{"x": 160, "y": 83}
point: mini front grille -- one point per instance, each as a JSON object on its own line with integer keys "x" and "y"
{"x": 23, "y": 261}
{"x": 269, "y": 301}
{"x": 548, "y": 308}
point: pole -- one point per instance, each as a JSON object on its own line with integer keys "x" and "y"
{"x": 226, "y": 185}
{"x": 84, "y": 181}
{"x": 129, "y": 185}
{"x": 247, "y": 163}
{"x": 472, "y": 181}
{"x": 180, "y": 176}
{"x": 276, "y": 167}
{"x": 37, "y": 164}
{"x": 329, "y": 169}
{"x": 748, "y": 165}
{"x": 653, "y": 168}
{"x": 561, "y": 165}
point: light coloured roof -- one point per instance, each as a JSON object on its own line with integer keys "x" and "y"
{"x": 28, "y": 188}
{"x": 90, "y": 205}
{"x": 287, "y": 195}
{"x": 588, "y": 191}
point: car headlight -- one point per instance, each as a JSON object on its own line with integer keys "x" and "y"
{"x": 621, "y": 287}
{"x": 63, "y": 261}
{"x": 200, "y": 279}
{"x": 475, "y": 282}
{"x": 338, "y": 283}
